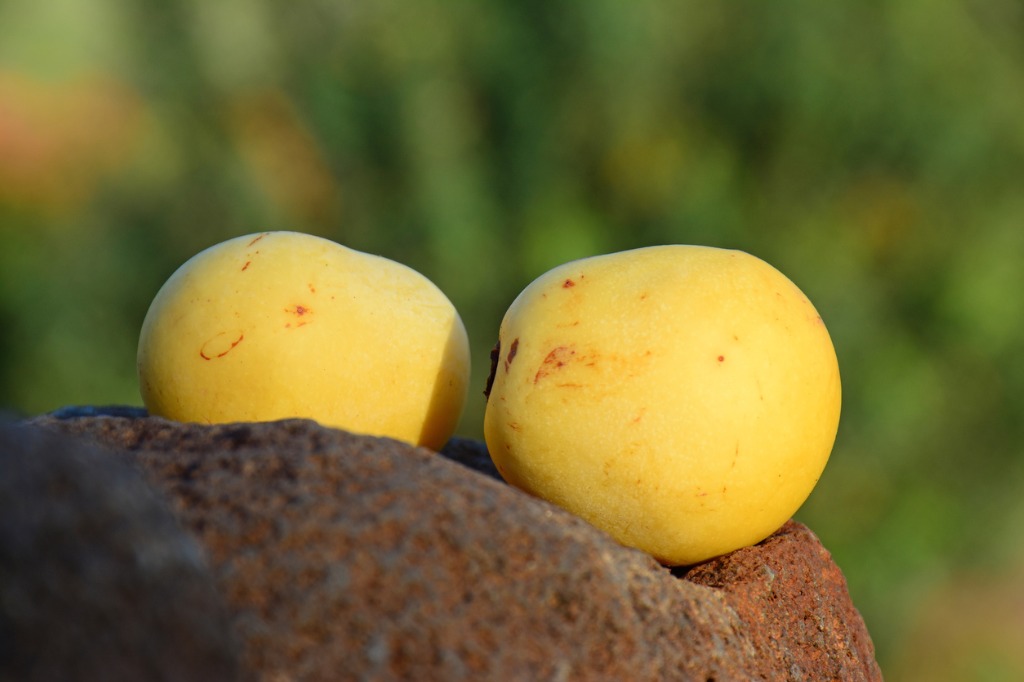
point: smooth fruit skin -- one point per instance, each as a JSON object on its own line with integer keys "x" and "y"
{"x": 282, "y": 324}
{"x": 684, "y": 399}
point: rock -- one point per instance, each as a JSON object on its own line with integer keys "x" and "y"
{"x": 72, "y": 411}
{"x": 97, "y": 579}
{"x": 349, "y": 557}
{"x": 794, "y": 600}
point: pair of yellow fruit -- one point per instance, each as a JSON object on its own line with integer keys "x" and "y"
{"x": 684, "y": 399}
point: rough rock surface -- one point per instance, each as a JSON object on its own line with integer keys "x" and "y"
{"x": 347, "y": 557}
{"x": 97, "y": 579}
{"x": 793, "y": 599}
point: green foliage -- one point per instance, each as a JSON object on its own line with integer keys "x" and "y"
{"x": 872, "y": 151}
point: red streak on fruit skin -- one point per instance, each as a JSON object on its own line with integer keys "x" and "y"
{"x": 234, "y": 343}
{"x": 258, "y": 238}
{"x": 246, "y": 265}
{"x": 556, "y": 359}
{"x": 511, "y": 353}
{"x": 568, "y": 283}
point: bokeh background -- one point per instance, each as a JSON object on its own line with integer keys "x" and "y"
{"x": 873, "y": 150}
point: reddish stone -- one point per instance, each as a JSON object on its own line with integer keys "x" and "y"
{"x": 794, "y": 601}
{"x": 348, "y": 557}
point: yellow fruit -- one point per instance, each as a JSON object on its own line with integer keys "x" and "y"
{"x": 684, "y": 399}
{"x": 281, "y": 324}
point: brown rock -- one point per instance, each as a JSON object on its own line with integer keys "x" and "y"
{"x": 347, "y": 557}
{"x": 97, "y": 579}
{"x": 793, "y": 599}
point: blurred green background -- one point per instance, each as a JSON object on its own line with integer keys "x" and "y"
{"x": 871, "y": 150}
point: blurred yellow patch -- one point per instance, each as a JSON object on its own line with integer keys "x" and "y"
{"x": 282, "y": 155}
{"x": 968, "y": 627}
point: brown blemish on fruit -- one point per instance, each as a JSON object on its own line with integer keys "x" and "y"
{"x": 515, "y": 426}
{"x": 211, "y": 350}
{"x": 246, "y": 266}
{"x": 312, "y": 289}
{"x": 555, "y": 360}
{"x": 569, "y": 282}
{"x": 298, "y": 311}
{"x": 495, "y": 355}
{"x": 721, "y": 358}
{"x": 513, "y": 349}
{"x": 257, "y": 239}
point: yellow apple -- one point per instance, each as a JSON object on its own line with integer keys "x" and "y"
{"x": 282, "y": 324}
{"x": 684, "y": 399}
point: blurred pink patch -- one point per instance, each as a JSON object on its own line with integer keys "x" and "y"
{"x": 58, "y": 140}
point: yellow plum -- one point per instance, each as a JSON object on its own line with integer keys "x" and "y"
{"x": 684, "y": 399}
{"x": 283, "y": 324}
